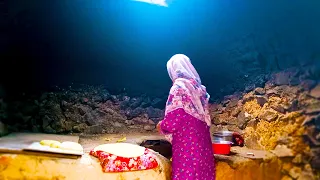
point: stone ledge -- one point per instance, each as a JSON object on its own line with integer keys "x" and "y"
{"x": 29, "y": 167}
{"x": 237, "y": 166}
{"x": 240, "y": 165}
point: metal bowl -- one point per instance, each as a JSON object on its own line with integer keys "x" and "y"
{"x": 223, "y": 136}
{"x": 222, "y": 142}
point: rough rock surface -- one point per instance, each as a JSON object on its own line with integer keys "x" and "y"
{"x": 281, "y": 117}
{"x": 90, "y": 110}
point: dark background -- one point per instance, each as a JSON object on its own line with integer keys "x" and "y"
{"x": 125, "y": 44}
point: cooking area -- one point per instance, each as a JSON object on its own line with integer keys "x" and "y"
{"x": 250, "y": 140}
{"x": 247, "y": 141}
{"x": 18, "y": 163}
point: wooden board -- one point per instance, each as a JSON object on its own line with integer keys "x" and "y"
{"x": 16, "y": 142}
{"x": 36, "y": 146}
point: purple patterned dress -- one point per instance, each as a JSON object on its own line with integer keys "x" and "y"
{"x": 191, "y": 145}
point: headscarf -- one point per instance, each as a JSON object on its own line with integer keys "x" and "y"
{"x": 187, "y": 91}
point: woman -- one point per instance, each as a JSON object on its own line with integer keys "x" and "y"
{"x": 187, "y": 122}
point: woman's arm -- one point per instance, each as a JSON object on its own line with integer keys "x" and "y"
{"x": 173, "y": 118}
{"x": 171, "y": 122}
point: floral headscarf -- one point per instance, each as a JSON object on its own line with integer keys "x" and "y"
{"x": 187, "y": 91}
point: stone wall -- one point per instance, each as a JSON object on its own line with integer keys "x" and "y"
{"x": 90, "y": 110}
{"x": 282, "y": 117}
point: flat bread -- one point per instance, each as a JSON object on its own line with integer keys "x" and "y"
{"x": 121, "y": 149}
{"x": 51, "y": 143}
{"x": 68, "y": 145}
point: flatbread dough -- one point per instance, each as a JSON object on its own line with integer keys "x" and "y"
{"x": 66, "y": 145}
{"x": 121, "y": 149}
{"x": 73, "y": 146}
{"x": 51, "y": 143}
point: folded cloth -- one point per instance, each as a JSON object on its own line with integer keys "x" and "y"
{"x": 114, "y": 163}
{"x": 237, "y": 139}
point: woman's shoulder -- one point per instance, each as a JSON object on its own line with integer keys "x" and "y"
{"x": 177, "y": 90}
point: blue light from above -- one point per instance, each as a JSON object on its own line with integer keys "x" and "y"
{"x": 155, "y": 2}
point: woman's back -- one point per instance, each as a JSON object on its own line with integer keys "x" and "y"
{"x": 187, "y": 121}
{"x": 192, "y": 148}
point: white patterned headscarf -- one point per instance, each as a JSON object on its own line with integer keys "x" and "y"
{"x": 187, "y": 91}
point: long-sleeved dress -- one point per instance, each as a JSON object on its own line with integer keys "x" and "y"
{"x": 192, "y": 157}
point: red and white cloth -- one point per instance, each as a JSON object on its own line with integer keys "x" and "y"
{"x": 114, "y": 163}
